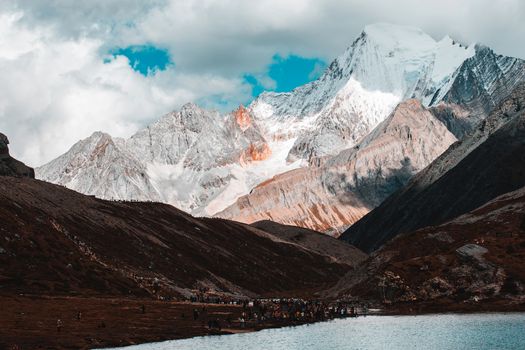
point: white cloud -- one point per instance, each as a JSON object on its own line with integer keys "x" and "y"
{"x": 55, "y": 88}
{"x": 55, "y": 91}
{"x": 225, "y": 35}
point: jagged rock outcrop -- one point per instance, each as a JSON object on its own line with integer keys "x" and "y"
{"x": 456, "y": 118}
{"x": 350, "y": 184}
{"x": 486, "y": 164}
{"x": 10, "y": 166}
{"x": 4, "y": 148}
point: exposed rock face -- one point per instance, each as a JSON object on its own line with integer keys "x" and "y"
{"x": 4, "y": 148}
{"x": 484, "y": 80}
{"x": 480, "y": 84}
{"x": 347, "y": 186}
{"x": 474, "y": 262}
{"x": 242, "y": 117}
{"x": 258, "y": 149}
{"x": 195, "y": 138}
{"x": 295, "y": 198}
{"x": 10, "y": 166}
{"x": 60, "y": 242}
{"x": 456, "y": 118}
{"x": 482, "y": 166}
{"x": 490, "y": 78}
{"x": 257, "y": 152}
{"x": 472, "y": 251}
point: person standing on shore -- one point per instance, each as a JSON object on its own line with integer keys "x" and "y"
{"x": 59, "y": 325}
{"x": 195, "y": 315}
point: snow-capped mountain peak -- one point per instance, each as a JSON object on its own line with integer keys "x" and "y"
{"x": 392, "y": 37}
{"x": 385, "y": 65}
{"x": 202, "y": 161}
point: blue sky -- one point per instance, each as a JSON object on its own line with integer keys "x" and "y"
{"x": 287, "y": 73}
{"x": 146, "y": 59}
{"x": 282, "y": 74}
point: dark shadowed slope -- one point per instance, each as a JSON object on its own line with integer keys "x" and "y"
{"x": 56, "y": 241}
{"x": 315, "y": 241}
{"x": 486, "y": 164}
{"x": 474, "y": 262}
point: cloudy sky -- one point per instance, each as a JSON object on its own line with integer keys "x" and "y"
{"x": 69, "y": 68}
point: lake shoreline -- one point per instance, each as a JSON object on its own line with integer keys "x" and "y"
{"x": 453, "y": 307}
{"x": 28, "y": 322}
{"x": 444, "y": 331}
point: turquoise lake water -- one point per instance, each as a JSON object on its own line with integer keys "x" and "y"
{"x": 478, "y": 331}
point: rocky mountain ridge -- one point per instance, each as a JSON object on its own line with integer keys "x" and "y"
{"x": 203, "y": 162}
{"x": 337, "y": 193}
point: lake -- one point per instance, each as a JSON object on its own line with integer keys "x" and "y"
{"x": 450, "y": 331}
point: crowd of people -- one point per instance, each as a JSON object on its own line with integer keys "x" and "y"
{"x": 276, "y": 310}
{"x": 261, "y": 310}
{"x": 254, "y": 313}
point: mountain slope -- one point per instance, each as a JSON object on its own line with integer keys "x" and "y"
{"x": 481, "y": 167}
{"x": 313, "y": 240}
{"x": 202, "y": 161}
{"x": 347, "y": 186}
{"x": 483, "y": 81}
{"x": 472, "y": 263}
{"x": 60, "y": 242}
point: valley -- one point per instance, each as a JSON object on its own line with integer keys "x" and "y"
{"x": 393, "y": 184}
